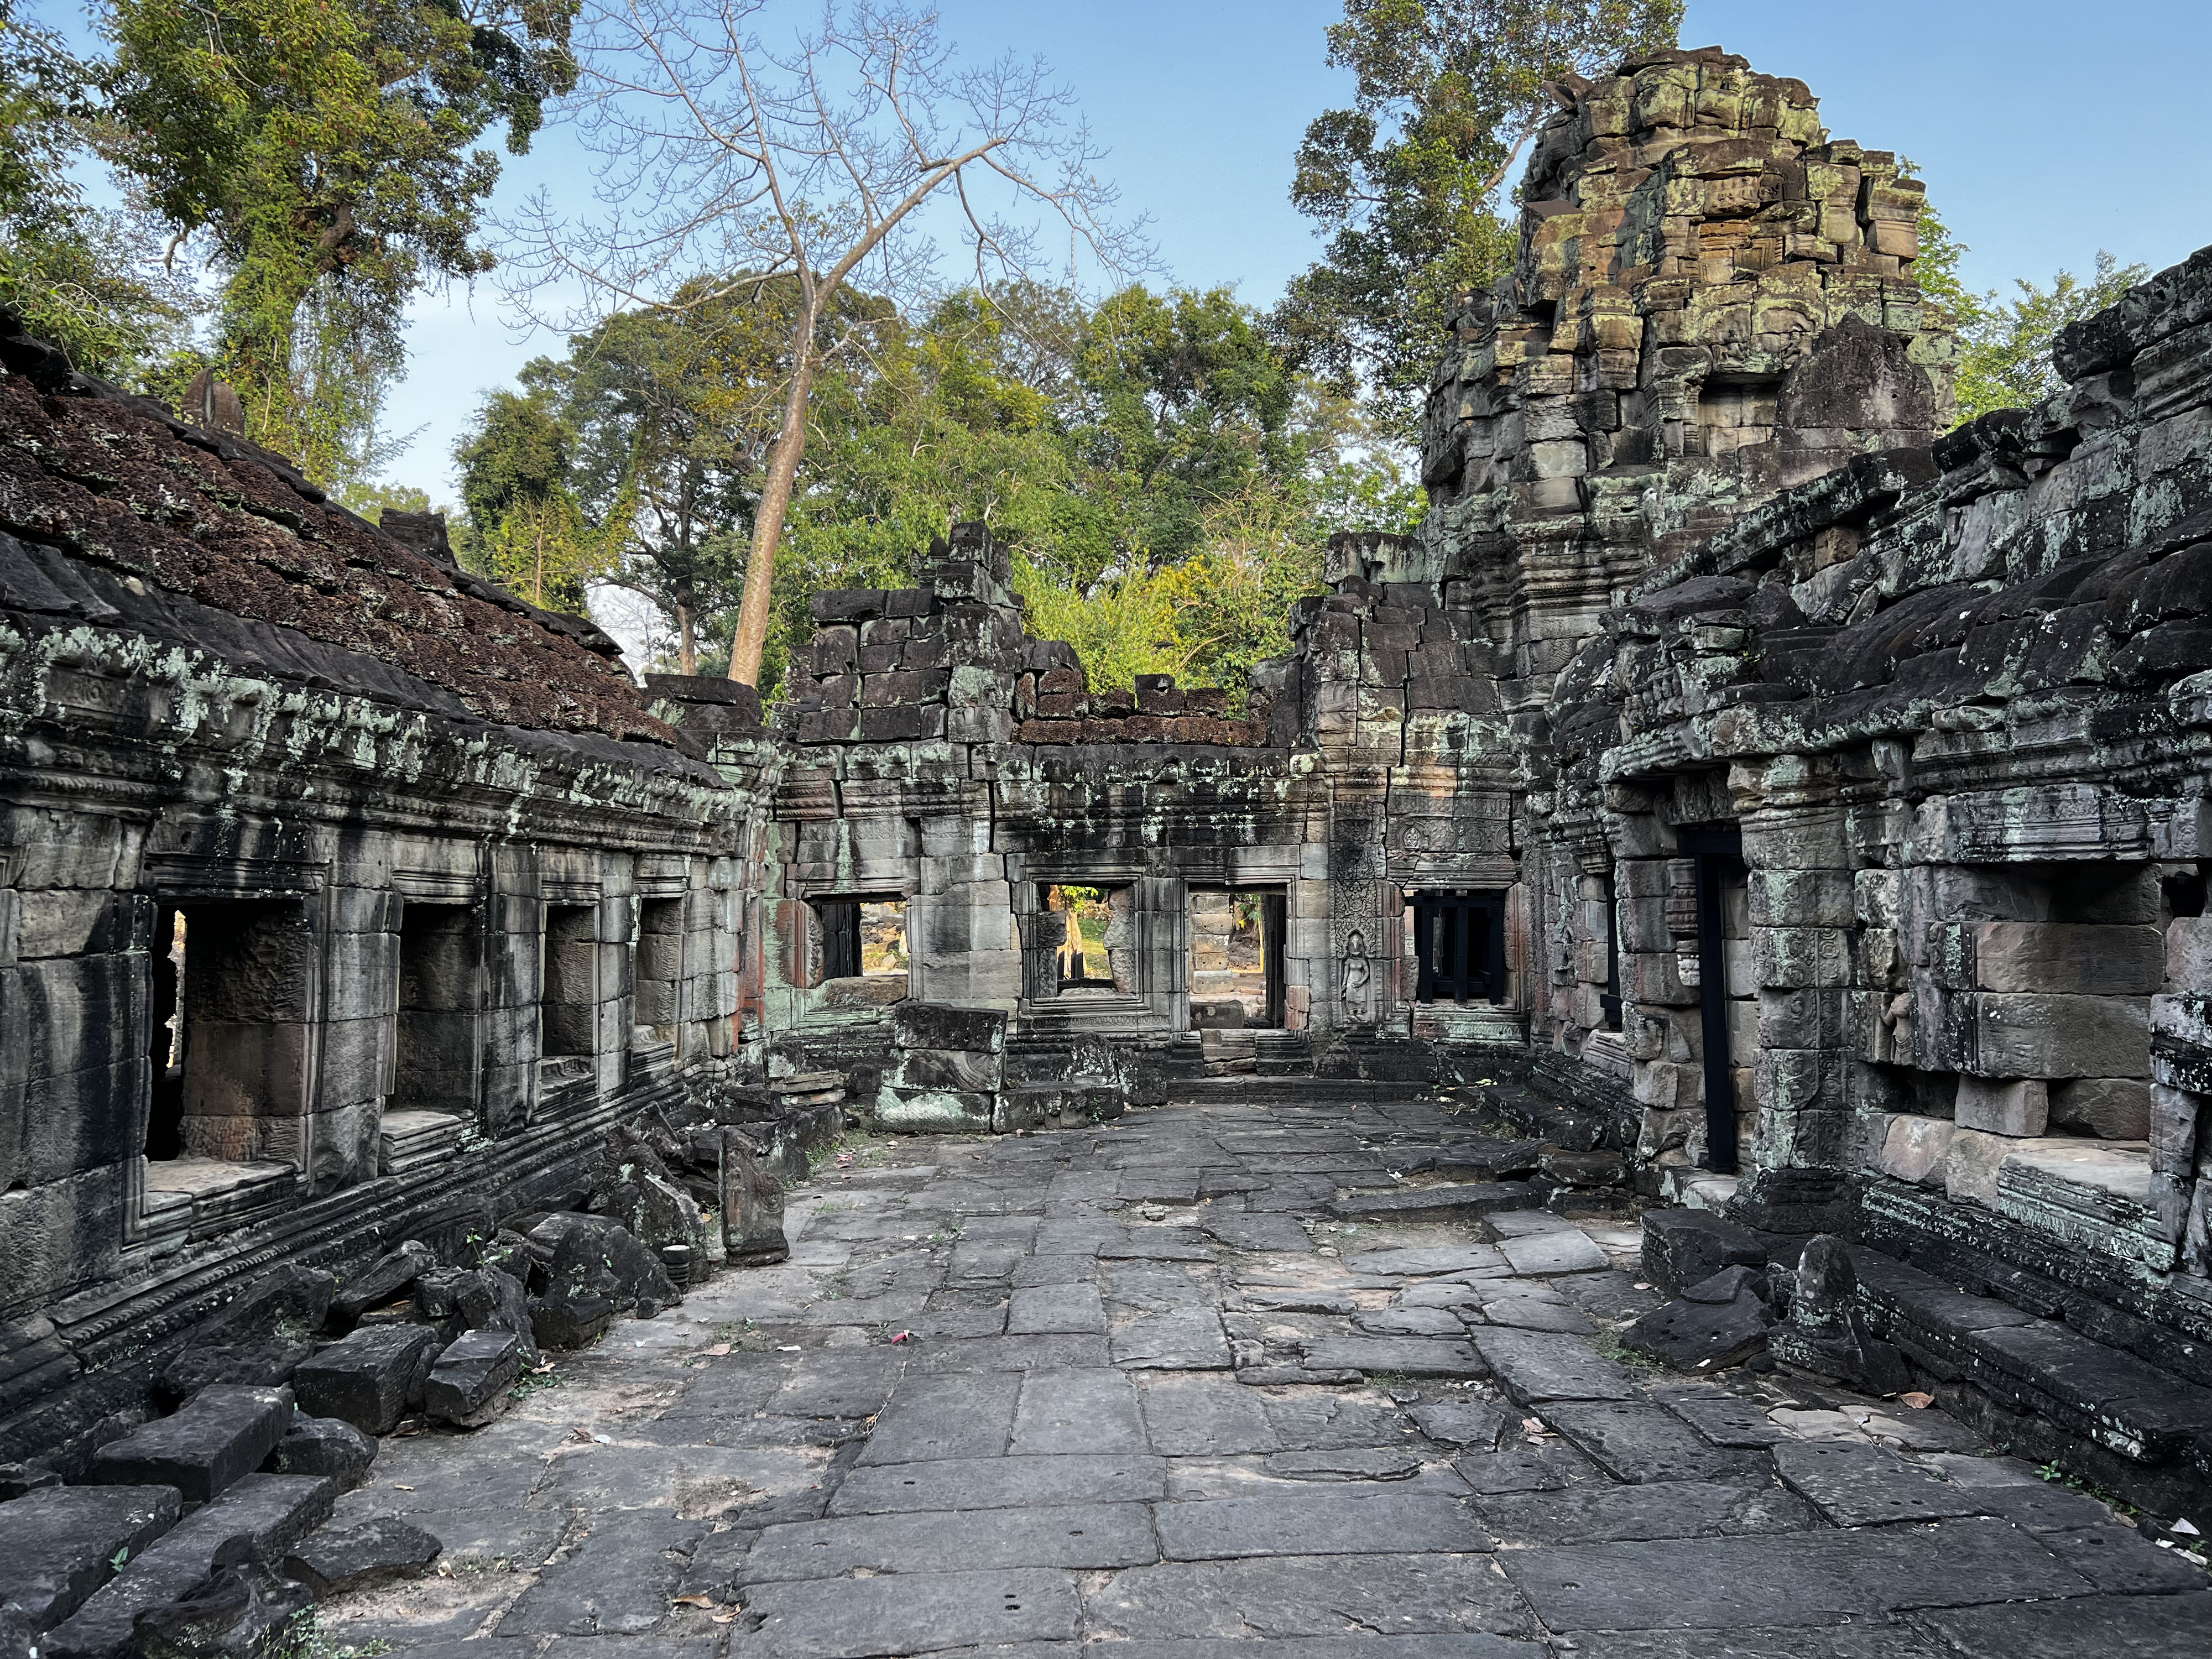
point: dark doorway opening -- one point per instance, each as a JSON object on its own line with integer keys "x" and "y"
{"x": 1718, "y": 855}
{"x": 1459, "y": 939}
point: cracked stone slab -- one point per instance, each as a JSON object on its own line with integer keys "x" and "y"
{"x": 618, "y": 1581}
{"x": 1671, "y": 1509}
{"x": 1259, "y": 1231}
{"x": 1275, "y": 1597}
{"x": 1798, "y": 1578}
{"x": 1073, "y": 1307}
{"x": 1470, "y": 1202}
{"x": 909, "y": 1613}
{"x": 1183, "y": 1340}
{"x": 1636, "y": 1441}
{"x": 994, "y": 1483}
{"x": 1089, "y": 1536}
{"x": 1352, "y": 1463}
{"x": 1568, "y": 1250}
{"x": 1529, "y": 1466}
{"x": 1721, "y": 1418}
{"x": 1193, "y": 1415}
{"x": 1426, "y": 1261}
{"x": 1475, "y": 1424}
{"x": 1407, "y": 1356}
{"x": 1538, "y": 1366}
{"x": 1078, "y": 1412}
{"x": 1528, "y": 1313}
{"x": 1462, "y": 1645}
{"x": 2108, "y": 1626}
{"x": 1275, "y": 1523}
{"x": 933, "y": 1417}
{"x": 1412, "y": 1322}
{"x": 1854, "y": 1484}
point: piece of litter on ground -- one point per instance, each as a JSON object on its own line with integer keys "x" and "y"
{"x": 1919, "y": 1402}
{"x": 693, "y": 1601}
{"x": 1642, "y": 1286}
{"x": 395, "y": 1487}
{"x": 787, "y": 1347}
{"x": 717, "y": 1350}
{"x": 2186, "y": 1529}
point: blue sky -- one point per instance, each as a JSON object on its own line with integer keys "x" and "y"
{"x": 2046, "y": 131}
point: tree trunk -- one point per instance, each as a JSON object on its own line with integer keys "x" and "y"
{"x": 687, "y": 641}
{"x": 775, "y": 501}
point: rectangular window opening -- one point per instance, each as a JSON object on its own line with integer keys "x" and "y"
{"x": 1609, "y": 1000}
{"x": 660, "y": 968}
{"x": 1236, "y": 940}
{"x": 231, "y": 1006}
{"x": 435, "y": 1069}
{"x": 1093, "y": 944}
{"x": 568, "y": 1002}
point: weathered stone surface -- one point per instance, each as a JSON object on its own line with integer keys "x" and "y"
{"x": 1181, "y": 1339}
{"x": 617, "y": 1580}
{"x": 1320, "y": 1523}
{"x": 999, "y": 1483}
{"x": 369, "y": 1379}
{"x": 60, "y": 1544}
{"x": 1410, "y": 1356}
{"x": 1473, "y": 1423}
{"x": 264, "y": 1514}
{"x": 1661, "y": 1508}
{"x": 1723, "y": 1583}
{"x": 909, "y": 1612}
{"x": 1370, "y": 1463}
{"x": 1636, "y": 1442}
{"x": 1083, "y": 1536}
{"x": 467, "y": 1387}
{"x": 1468, "y": 1202}
{"x": 1564, "y": 1251}
{"x": 222, "y": 1433}
{"x": 385, "y": 1280}
{"x": 338, "y": 1559}
{"x": 1701, "y": 1336}
{"x": 1535, "y": 1367}
{"x": 246, "y": 1611}
{"x": 1278, "y": 1598}
{"x": 1856, "y": 1484}
{"x": 259, "y": 1338}
{"x": 1682, "y": 1246}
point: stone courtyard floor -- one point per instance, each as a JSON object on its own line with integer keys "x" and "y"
{"x": 1056, "y": 1454}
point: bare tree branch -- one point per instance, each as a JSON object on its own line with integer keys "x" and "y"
{"x": 724, "y": 157}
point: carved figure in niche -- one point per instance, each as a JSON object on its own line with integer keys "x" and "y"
{"x": 1357, "y": 994}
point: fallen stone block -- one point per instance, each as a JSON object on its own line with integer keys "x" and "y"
{"x": 454, "y": 1300}
{"x": 221, "y": 1435}
{"x": 60, "y": 1544}
{"x": 258, "y": 1338}
{"x": 468, "y": 1386}
{"x": 246, "y": 1612}
{"x": 595, "y": 1270}
{"x": 1682, "y": 1246}
{"x": 370, "y": 1378}
{"x": 361, "y": 1556}
{"x": 268, "y": 1513}
{"x": 326, "y": 1447}
{"x": 386, "y": 1280}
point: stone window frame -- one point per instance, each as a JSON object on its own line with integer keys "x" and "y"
{"x": 815, "y": 896}
{"x": 443, "y": 891}
{"x": 182, "y": 882}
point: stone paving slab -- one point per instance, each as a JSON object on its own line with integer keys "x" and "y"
{"x": 1423, "y": 1449}
{"x": 907, "y": 1612}
{"x": 1802, "y": 1578}
{"x": 1317, "y": 1523}
{"x": 999, "y": 1483}
{"x": 1289, "y": 1596}
{"x": 1084, "y": 1536}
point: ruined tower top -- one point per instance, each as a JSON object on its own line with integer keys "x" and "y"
{"x": 1712, "y": 301}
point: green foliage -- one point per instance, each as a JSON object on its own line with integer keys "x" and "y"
{"x": 2005, "y": 359}
{"x": 1408, "y": 179}
{"x": 80, "y": 277}
{"x": 524, "y": 527}
{"x": 370, "y": 498}
{"x": 323, "y": 148}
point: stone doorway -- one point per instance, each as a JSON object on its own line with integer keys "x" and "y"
{"x": 1237, "y": 936}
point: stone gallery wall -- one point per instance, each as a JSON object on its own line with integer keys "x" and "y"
{"x": 335, "y": 885}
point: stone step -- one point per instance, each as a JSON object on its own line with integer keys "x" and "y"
{"x": 2046, "y": 1392}
{"x": 272, "y": 1511}
{"x": 222, "y": 1433}
{"x": 58, "y": 1545}
{"x": 410, "y": 1141}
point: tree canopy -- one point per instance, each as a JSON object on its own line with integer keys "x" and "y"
{"x": 1409, "y": 179}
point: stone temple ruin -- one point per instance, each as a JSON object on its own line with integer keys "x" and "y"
{"x": 1806, "y": 801}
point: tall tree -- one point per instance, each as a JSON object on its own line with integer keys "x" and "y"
{"x": 80, "y": 276}
{"x": 524, "y": 527}
{"x": 324, "y": 150}
{"x": 1448, "y": 93}
{"x": 810, "y": 161}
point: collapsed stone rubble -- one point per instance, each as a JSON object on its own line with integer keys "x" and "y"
{"x": 1776, "y": 804}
